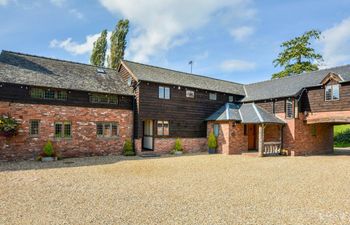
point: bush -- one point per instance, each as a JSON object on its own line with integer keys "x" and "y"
{"x": 212, "y": 144}
{"x": 178, "y": 145}
{"x": 48, "y": 149}
{"x": 128, "y": 149}
{"x": 342, "y": 139}
{"x": 8, "y": 126}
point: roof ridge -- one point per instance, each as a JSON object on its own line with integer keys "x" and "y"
{"x": 55, "y": 59}
{"x": 257, "y": 113}
{"x": 296, "y": 75}
{"x": 191, "y": 74}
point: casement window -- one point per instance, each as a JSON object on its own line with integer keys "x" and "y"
{"x": 164, "y": 92}
{"x": 216, "y": 128}
{"x": 104, "y": 98}
{"x": 189, "y": 94}
{"x": 332, "y": 92}
{"x": 162, "y": 128}
{"x": 212, "y": 96}
{"x": 230, "y": 98}
{"x": 63, "y": 129}
{"x": 313, "y": 130}
{"x": 289, "y": 108}
{"x": 34, "y": 127}
{"x": 49, "y": 94}
{"x": 107, "y": 129}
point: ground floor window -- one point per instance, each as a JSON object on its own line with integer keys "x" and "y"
{"x": 63, "y": 129}
{"x": 107, "y": 129}
{"x": 162, "y": 128}
{"x": 34, "y": 127}
{"x": 216, "y": 128}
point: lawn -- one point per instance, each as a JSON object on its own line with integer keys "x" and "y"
{"x": 342, "y": 135}
{"x": 190, "y": 189}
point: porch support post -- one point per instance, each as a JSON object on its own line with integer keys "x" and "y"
{"x": 281, "y": 136}
{"x": 261, "y": 139}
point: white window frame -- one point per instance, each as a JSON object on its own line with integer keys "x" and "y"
{"x": 164, "y": 92}
{"x": 216, "y": 129}
{"x": 189, "y": 94}
{"x": 331, "y": 87}
{"x": 108, "y": 125}
{"x": 162, "y": 131}
{"x": 213, "y": 96}
{"x": 289, "y": 102}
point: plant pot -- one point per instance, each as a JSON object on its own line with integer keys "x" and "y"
{"x": 48, "y": 159}
{"x": 211, "y": 150}
{"x": 178, "y": 153}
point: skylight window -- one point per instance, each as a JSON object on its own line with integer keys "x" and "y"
{"x": 101, "y": 70}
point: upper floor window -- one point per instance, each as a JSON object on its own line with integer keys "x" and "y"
{"x": 162, "y": 128}
{"x": 164, "y": 92}
{"x": 106, "y": 129}
{"x": 189, "y": 94}
{"x": 63, "y": 129}
{"x": 104, "y": 98}
{"x": 212, "y": 96}
{"x": 230, "y": 98}
{"x": 289, "y": 108}
{"x": 332, "y": 92}
{"x": 43, "y": 93}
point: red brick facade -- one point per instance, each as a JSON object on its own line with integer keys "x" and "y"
{"x": 84, "y": 141}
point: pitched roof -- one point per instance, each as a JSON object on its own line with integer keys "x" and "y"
{"x": 166, "y": 76}
{"x": 245, "y": 113}
{"x": 33, "y": 70}
{"x": 291, "y": 85}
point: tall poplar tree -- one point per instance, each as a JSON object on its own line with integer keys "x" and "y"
{"x": 98, "y": 55}
{"x": 298, "y": 56}
{"x": 118, "y": 43}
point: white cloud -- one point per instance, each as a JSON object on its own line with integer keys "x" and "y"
{"x": 335, "y": 44}
{"x": 4, "y": 2}
{"x": 241, "y": 33}
{"x": 77, "y": 48}
{"x": 237, "y": 65}
{"x": 76, "y": 13}
{"x": 161, "y": 24}
{"x": 58, "y": 3}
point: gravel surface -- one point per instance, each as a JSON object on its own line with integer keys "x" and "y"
{"x": 189, "y": 189}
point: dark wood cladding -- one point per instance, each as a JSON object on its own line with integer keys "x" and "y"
{"x": 268, "y": 105}
{"x": 314, "y": 100}
{"x": 20, "y": 93}
{"x": 185, "y": 115}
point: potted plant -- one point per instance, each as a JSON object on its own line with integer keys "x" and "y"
{"x": 212, "y": 143}
{"x": 128, "y": 149}
{"x": 8, "y": 126}
{"x": 178, "y": 147}
{"x": 48, "y": 153}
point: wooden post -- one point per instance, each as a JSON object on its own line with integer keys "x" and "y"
{"x": 281, "y": 137}
{"x": 261, "y": 139}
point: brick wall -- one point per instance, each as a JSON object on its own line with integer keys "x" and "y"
{"x": 84, "y": 141}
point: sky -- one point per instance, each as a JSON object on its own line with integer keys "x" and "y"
{"x": 235, "y": 40}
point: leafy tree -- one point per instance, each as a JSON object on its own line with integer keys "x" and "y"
{"x": 98, "y": 55}
{"x": 297, "y": 55}
{"x": 118, "y": 43}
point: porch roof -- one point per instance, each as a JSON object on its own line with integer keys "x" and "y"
{"x": 245, "y": 113}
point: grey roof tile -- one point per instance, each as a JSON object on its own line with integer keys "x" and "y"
{"x": 166, "y": 76}
{"x": 33, "y": 70}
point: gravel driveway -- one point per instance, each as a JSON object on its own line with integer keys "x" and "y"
{"x": 190, "y": 189}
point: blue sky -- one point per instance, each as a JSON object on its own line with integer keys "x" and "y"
{"x": 235, "y": 40}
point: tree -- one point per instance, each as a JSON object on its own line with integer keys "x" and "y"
{"x": 98, "y": 55}
{"x": 297, "y": 56}
{"x": 118, "y": 43}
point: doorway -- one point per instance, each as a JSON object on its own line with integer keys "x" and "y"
{"x": 147, "y": 140}
{"x": 251, "y": 137}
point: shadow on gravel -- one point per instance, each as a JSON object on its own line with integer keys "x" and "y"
{"x": 78, "y": 162}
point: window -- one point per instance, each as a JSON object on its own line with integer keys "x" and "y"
{"x": 289, "y": 108}
{"x": 163, "y": 128}
{"x": 296, "y": 108}
{"x": 34, "y": 127}
{"x": 332, "y": 92}
{"x": 63, "y": 130}
{"x": 107, "y": 129}
{"x": 212, "y": 96}
{"x": 103, "y": 98}
{"x": 164, "y": 92}
{"x": 189, "y": 94}
{"x": 216, "y": 129}
{"x": 48, "y": 94}
{"x": 230, "y": 98}
{"x": 313, "y": 130}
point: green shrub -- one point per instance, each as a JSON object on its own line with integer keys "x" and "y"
{"x": 48, "y": 149}
{"x": 178, "y": 145}
{"x": 8, "y": 126}
{"x": 342, "y": 139}
{"x": 212, "y": 144}
{"x": 128, "y": 149}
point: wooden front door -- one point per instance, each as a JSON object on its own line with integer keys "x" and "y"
{"x": 251, "y": 137}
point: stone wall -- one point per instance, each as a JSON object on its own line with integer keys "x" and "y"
{"x": 84, "y": 141}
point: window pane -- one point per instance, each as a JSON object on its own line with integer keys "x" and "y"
{"x": 103, "y": 99}
{"x": 230, "y": 98}
{"x": 113, "y": 99}
{"x": 289, "y": 108}
{"x": 34, "y": 127}
{"x": 189, "y": 94}
{"x": 36, "y": 93}
{"x": 99, "y": 129}
{"x": 216, "y": 130}
{"x": 212, "y": 96}
{"x": 160, "y": 127}
{"x": 107, "y": 130}
{"x": 167, "y": 93}
{"x": 58, "y": 130}
{"x": 161, "y": 92}
{"x": 328, "y": 92}
{"x": 114, "y": 129}
{"x": 49, "y": 94}
{"x": 61, "y": 95}
{"x": 165, "y": 128}
{"x": 67, "y": 130}
{"x": 335, "y": 92}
